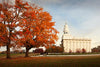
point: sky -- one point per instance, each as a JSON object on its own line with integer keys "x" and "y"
{"x": 82, "y": 17}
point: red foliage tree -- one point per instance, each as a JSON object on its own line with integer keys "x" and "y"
{"x": 78, "y": 51}
{"x": 95, "y": 50}
{"x": 10, "y": 16}
{"x": 83, "y": 50}
{"x": 70, "y": 51}
{"x": 39, "y": 50}
{"x": 37, "y": 29}
{"x": 35, "y": 26}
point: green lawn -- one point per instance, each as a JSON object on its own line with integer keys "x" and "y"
{"x": 68, "y": 61}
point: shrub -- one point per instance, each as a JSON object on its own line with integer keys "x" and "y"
{"x": 39, "y": 50}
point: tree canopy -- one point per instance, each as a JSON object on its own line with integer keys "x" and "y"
{"x": 35, "y": 26}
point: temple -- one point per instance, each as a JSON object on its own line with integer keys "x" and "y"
{"x": 75, "y": 44}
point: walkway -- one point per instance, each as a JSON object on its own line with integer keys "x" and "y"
{"x": 65, "y": 55}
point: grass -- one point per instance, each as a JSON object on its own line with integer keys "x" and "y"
{"x": 15, "y": 55}
{"x": 68, "y": 61}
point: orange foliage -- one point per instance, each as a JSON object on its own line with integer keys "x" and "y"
{"x": 39, "y": 25}
{"x": 10, "y": 16}
{"x": 35, "y": 25}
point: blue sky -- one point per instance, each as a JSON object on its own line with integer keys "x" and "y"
{"x": 82, "y": 17}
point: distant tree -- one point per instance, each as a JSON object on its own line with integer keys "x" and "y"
{"x": 54, "y": 49}
{"x": 16, "y": 51}
{"x": 70, "y": 51}
{"x": 98, "y": 48}
{"x": 83, "y": 50}
{"x": 39, "y": 50}
{"x": 3, "y": 52}
{"x": 78, "y": 51}
{"x": 61, "y": 45}
{"x": 95, "y": 50}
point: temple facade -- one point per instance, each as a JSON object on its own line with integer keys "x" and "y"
{"x": 75, "y": 44}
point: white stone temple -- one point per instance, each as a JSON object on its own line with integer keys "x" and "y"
{"x": 74, "y": 44}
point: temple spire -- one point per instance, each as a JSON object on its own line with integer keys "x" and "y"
{"x": 66, "y": 30}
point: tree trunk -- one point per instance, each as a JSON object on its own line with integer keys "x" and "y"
{"x": 26, "y": 54}
{"x": 8, "y": 52}
{"x": 8, "y": 46}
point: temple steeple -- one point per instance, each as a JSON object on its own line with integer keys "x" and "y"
{"x": 66, "y": 30}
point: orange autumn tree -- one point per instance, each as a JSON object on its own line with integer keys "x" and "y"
{"x": 10, "y": 16}
{"x": 3, "y": 35}
{"x": 37, "y": 29}
{"x": 35, "y": 26}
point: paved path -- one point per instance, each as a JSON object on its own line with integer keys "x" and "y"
{"x": 65, "y": 55}
{"x": 77, "y": 55}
